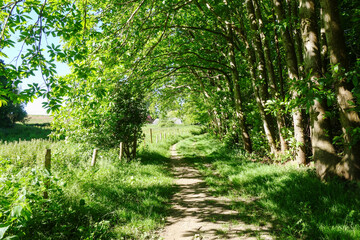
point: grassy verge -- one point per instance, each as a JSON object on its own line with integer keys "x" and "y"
{"x": 113, "y": 200}
{"x": 25, "y": 132}
{"x": 292, "y": 201}
{"x": 37, "y": 127}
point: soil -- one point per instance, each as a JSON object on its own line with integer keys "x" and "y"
{"x": 196, "y": 214}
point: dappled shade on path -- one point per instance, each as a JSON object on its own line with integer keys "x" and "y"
{"x": 198, "y": 215}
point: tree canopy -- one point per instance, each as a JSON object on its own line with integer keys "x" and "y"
{"x": 272, "y": 76}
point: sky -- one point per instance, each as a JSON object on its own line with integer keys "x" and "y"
{"x": 35, "y": 107}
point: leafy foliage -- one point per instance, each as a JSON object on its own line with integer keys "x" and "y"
{"x": 128, "y": 115}
{"x": 103, "y": 120}
{"x": 11, "y": 113}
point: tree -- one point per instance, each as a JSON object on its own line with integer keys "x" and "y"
{"x": 10, "y": 112}
{"x": 293, "y": 74}
{"x": 349, "y": 118}
{"x": 127, "y": 116}
{"x": 203, "y": 53}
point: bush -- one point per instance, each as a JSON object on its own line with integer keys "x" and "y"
{"x": 104, "y": 121}
{"x": 166, "y": 123}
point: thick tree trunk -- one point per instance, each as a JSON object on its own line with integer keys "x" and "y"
{"x": 260, "y": 88}
{"x": 293, "y": 72}
{"x": 280, "y": 120}
{"x": 324, "y": 152}
{"x": 349, "y": 118}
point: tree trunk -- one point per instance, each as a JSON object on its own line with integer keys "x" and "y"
{"x": 280, "y": 120}
{"x": 324, "y": 48}
{"x": 349, "y": 167}
{"x": 260, "y": 87}
{"x": 324, "y": 152}
{"x": 278, "y": 60}
{"x": 293, "y": 72}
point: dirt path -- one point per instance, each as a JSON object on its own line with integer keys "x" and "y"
{"x": 198, "y": 215}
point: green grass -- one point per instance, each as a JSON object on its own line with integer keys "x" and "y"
{"x": 113, "y": 200}
{"x": 293, "y": 201}
{"x": 39, "y": 119}
{"x": 25, "y": 132}
{"x": 38, "y": 127}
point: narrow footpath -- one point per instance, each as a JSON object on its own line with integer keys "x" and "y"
{"x": 198, "y": 215}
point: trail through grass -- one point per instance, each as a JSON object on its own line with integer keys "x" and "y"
{"x": 293, "y": 200}
{"x": 113, "y": 200}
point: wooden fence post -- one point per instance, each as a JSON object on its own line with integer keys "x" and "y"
{"x": 151, "y": 136}
{"x": 134, "y": 147}
{"x": 121, "y": 151}
{"x": 93, "y": 161}
{"x": 47, "y": 164}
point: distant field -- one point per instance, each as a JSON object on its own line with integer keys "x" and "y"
{"x": 39, "y": 119}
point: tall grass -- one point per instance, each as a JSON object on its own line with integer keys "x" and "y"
{"x": 113, "y": 200}
{"x": 291, "y": 200}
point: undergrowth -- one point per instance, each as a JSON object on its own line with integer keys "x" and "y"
{"x": 291, "y": 201}
{"x": 113, "y": 200}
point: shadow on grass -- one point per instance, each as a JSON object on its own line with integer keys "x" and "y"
{"x": 294, "y": 202}
{"x": 25, "y": 132}
{"x": 152, "y": 157}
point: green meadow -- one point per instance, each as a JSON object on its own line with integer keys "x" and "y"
{"x": 115, "y": 199}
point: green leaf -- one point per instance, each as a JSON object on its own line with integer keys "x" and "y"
{"x": 16, "y": 211}
{"x": 11, "y": 237}
{"x": 3, "y": 102}
{"x": 3, "y": 231}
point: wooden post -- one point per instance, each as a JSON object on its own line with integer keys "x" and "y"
{"x": 134, "y": 147}
{"x": 47, "y": 164}
{"x": 93, "y": 161}
{"x": 48, "y": 159}
{"x": 151, "y": 136}
{"x": 121, "y": 151}
{"x": 156, "y": 139}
